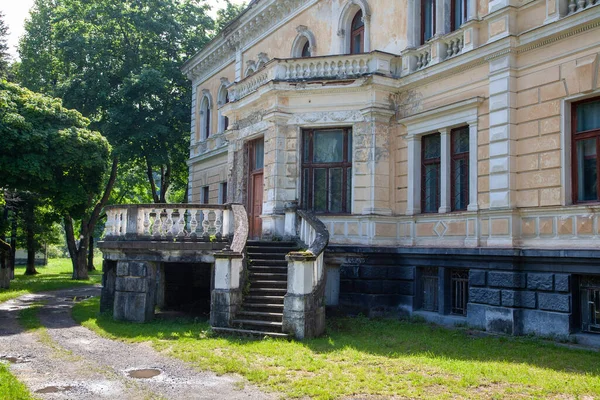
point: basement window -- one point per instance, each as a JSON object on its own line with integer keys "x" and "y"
{"x": 429, "y": 289}
{"x": 459, "y": 291}
{"x": 589, "y": 291}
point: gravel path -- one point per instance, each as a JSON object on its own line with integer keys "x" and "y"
{"x": 68, "y": 361}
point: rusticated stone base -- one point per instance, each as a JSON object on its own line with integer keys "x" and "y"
{"x": 304, "y": 316}
{"x": 135, "y": 291}
{"x": 224, "y": 306}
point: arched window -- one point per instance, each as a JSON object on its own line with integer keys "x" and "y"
{"x": 223, "y": 99}
{"x": 354, "y": 27}
{"x": 357, "y": 37}
{"x": 306, "y": 50}
{"x": 205, "y": 115}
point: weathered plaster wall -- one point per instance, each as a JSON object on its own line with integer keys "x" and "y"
{"x": 209, "y": 173}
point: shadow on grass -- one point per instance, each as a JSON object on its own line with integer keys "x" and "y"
{"x": 392, "y": 339}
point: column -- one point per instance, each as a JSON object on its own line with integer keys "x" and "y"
{"x": 367, "y": 42}
{"x": 445, "y": 170}
{"x": 473, "y": 160}
{"x": 413, "y": 205}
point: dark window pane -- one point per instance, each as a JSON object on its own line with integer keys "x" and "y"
{"x": 428, "y": 11}
{"x": 586, "y": 170}
{"x": 459, "y": 13}
{"x": 320, "y": 190}
{"x": 306, "y": 49}
{"x": 429, "y": 289}
{"x": 431, "y": 189}
{"x": 588, "y": 116}
{"x": 460, "y": 140}
{"x": 357, "y": 22}
{"x": 431, "y": 146}
{"x": 328, "y": 146}
{"x": 335, "y": 189}
{"x": 259, "y": 154}
{"x": 357, "y": 44}
{"x": 460, "y": 180}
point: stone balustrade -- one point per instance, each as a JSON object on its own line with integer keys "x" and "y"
{"x": 580, "y": 5}
{"x": 304, "y": 307}
{"x": 323, "y": 67}
{"x": 453, "y": 44}
{"x": 168, "y": 222}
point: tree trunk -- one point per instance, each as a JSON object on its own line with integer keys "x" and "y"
{"x": 13, "y": 244}
{"x": 165, "y": 183}
{"x": 30, "y": 234}
{"x": 78, "y": 250}
{"x": 150, "y": 175}
{"x": 4, "y": 270}
{"x": 90, "y": 262}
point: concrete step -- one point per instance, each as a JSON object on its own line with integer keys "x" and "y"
{"x": 263, "y": 299}
{"x": 259, "y": 257}
{"x": 265, "y": 250}
{"x": 271, "y": 243}
{"x": 268, "y": 284}
{"x": 257, "y": 262}
{"x": 268, "y": 291}
{"x": 260, "y": 316}
{"x": 249, "y": 322}
{"x": 272, "y": 276}
{"x": 268, "y": 270}
{"x": 263, "y": 307}
{"x": 249, "y": 332}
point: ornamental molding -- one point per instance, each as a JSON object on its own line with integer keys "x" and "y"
{"x": 258, "y": 21}
{"x": 326, "y": 117}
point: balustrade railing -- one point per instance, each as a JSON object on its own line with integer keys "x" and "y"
{"x": 579, "y": 5}
{"x": 454, "y": 44}
{"x": 169, "y": 221}
{"x": 325, "y": 67}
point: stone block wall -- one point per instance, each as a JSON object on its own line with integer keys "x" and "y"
{"x": 539, "y": 302}
{"x": 135, "y": 291}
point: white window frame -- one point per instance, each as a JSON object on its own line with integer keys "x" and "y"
{"x": 304, "y": 35}
{"x": 441, "y": 120}
{"x": 221, "y": 101}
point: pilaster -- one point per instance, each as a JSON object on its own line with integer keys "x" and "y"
{"x": 413, "y": 205}
{"x": 445, "y": 169}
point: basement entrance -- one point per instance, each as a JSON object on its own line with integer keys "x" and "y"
{"x": 187, "y": 288}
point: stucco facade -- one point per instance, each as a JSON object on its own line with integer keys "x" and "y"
{"x": 507, "y": 77}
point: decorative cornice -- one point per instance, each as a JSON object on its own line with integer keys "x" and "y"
{"x": 325, "y": 117}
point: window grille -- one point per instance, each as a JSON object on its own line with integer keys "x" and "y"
{"x": 589, "y": 289}
{"x": 429, "y": 282}
{"x": 459, "y": 288}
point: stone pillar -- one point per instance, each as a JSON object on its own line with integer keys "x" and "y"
{"x": 290, "y": 220}
{"x": 226, "y": 297}
{"x": 413, "y": 204}
{"x": 304, "y": 306}
{"x": 135, "y": 291}
{"x": 445, "y": 169}
{"x": 376, "y": 143}
{"x": 109, "y": 276}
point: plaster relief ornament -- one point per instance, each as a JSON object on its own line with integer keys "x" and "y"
{"x": 325, "y": 117}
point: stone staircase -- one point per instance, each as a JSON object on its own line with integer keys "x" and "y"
{"x": 261, "y": 313}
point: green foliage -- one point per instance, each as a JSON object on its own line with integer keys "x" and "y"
{"x": 56, "y": 275}
{"x": 48, "y": 149}
{"x": 228, "y": 14}
{"x": 10, "y": 387}
{"x": 4, "y": 56}
{"x": 362, "y": 357}
{"x": 119, "y": 64}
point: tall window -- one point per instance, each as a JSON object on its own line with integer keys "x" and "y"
{"x": 223, "y": 193}
{"x": 306, "y": 49}
{"x": 327, "y": 170}
{"x": 205, "y": 118}
{"x": 585, "y": 148}
{"x": 204, "y": 195}
{"x": 458, "y": 14}
{"x": 427, "y": 20}
{"x": 459, "y": 168}
{"x": 430, "y": 175}
{"x": 357, "y": 38}
{"x": 429, "y": 289}
{"x": 223, "y": 99}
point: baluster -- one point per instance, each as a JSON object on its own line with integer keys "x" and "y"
{"x": 336, "y": 69}
{"x": 455, "y": 47}
{"x": 320, "y": 69}
{"x": 119, "y": 224}
{"x": 219, "y": 224}
{"x": 156, "y": 223}
{"x": 180, "y": 231}
{"x": 146, "y": 222}
{"x": 108, "y": 227}
{"x": 205, "y": 224}
{"x": 419, "y": 61}
{"x": 580, "y": 5}
{"x": 449, "y": 50}
{"x": 287, "y": 72}
{"x": 365, "y": 67}
{"x": 193, "y": 223}
{"x": 168, "y": 225}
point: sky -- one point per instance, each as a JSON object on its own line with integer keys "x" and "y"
{"x": 16, "y": 11}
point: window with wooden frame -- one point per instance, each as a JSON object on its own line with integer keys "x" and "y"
{"x": 430, "y": 173}
{"x": 458, "y": 14}
{"x": 459, "y": 170}
{"x": 357, "y": 37}
{"x": 585, "y": 147}
{"x": 427, "y": 20}
{"x": 204, "y": 195}
{"x": 327, "y": 170}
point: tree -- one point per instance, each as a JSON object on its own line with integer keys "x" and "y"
{"x": 49, "y": 150}
{"x": 228, "y": 14}
{"x": 119, "y": 64}
{"x": 4, "y": 56}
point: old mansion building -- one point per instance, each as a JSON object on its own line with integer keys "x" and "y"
{"x": 451, "y": 149}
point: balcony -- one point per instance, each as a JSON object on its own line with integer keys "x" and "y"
{"x": 317, "y": 68}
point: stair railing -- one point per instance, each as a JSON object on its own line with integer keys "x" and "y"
{"x": 304, "y": 305}
{"x": 226, "y": 297}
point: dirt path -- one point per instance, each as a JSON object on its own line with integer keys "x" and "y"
{"x": 68, "y": 361}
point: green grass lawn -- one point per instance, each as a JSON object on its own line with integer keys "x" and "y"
{"x": 56, "y": 275}
{"x": 11, "y": 388}
{"x": 364, "y": 357}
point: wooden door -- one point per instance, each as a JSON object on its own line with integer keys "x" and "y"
{"x": 256, "y": 187}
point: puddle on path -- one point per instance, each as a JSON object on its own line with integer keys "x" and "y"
{"x": 14, "y": 359}
{"x": 144, "y": 373}
{"x": 54, "y": 389}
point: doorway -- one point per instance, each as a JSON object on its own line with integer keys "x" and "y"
{"x": 256, "y": 157}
